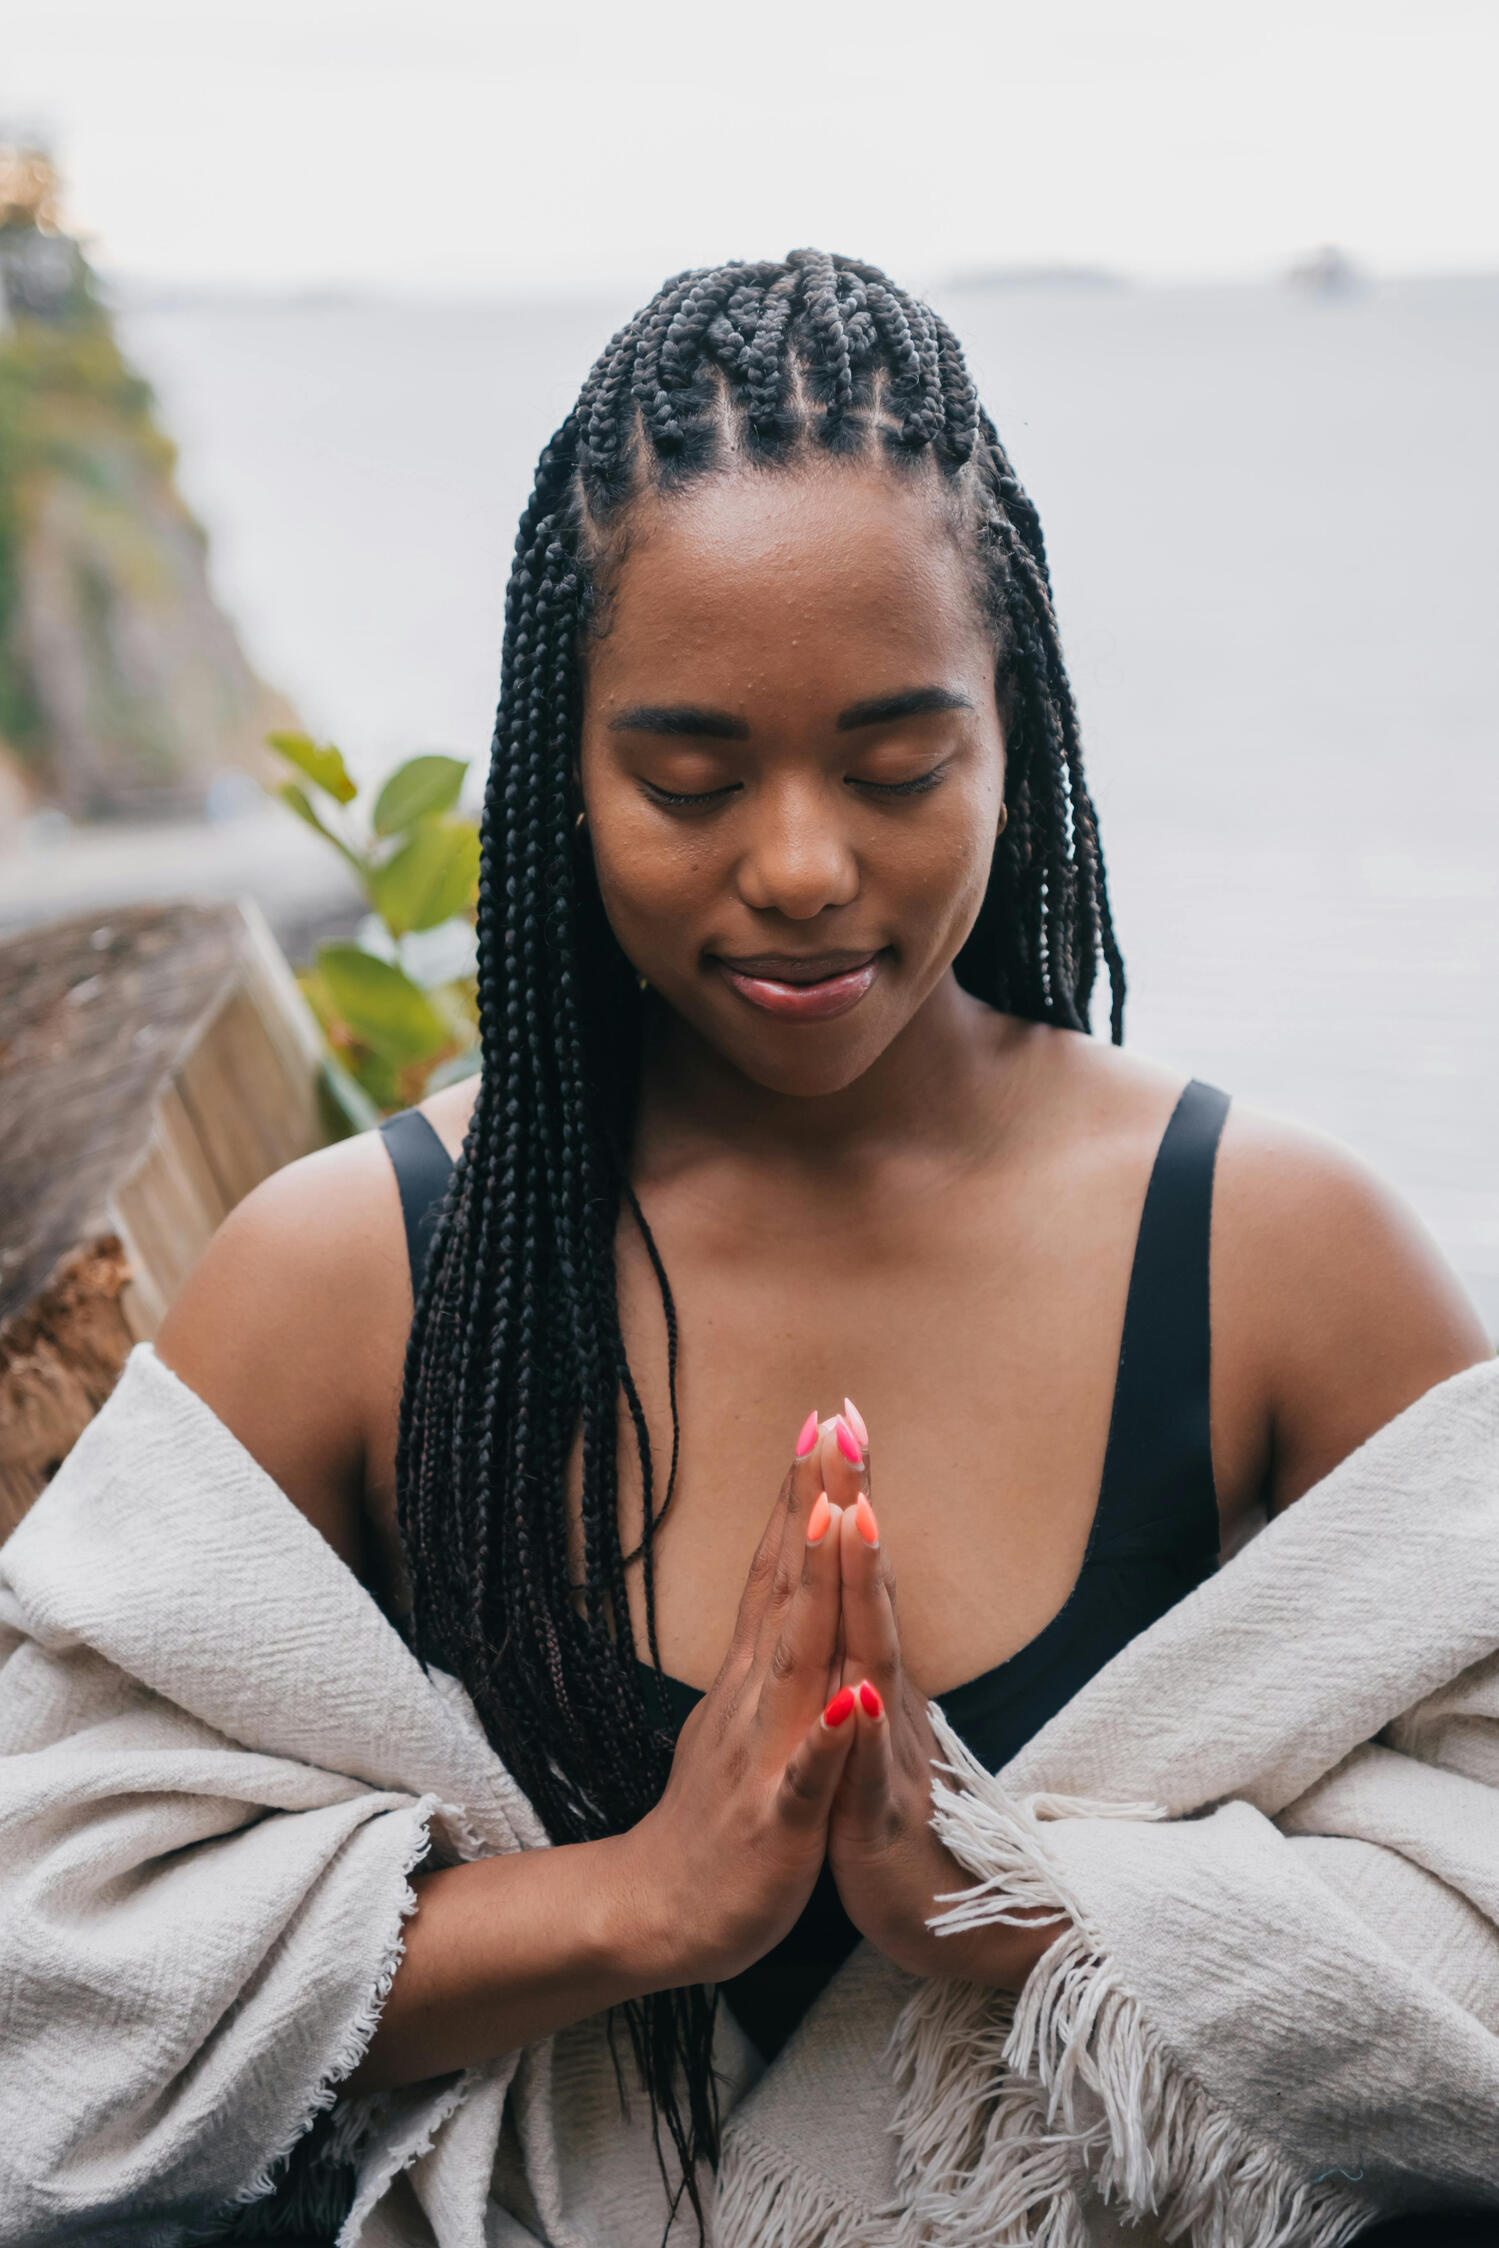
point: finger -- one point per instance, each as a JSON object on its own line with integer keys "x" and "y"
{"x": 864, "y": 1791}
{"x": 804, "y": 1486}
{"x": 798, "y": 1661}
{"x": 815, "y": 1766}
{"x": 794, "y": 1502}
{"x": 845, "y": 1459}
{"x": 871, "y": 1640}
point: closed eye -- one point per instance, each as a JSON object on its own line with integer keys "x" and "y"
{"x": 687, "y": 800}
{"x": 679, "y": 800}
{"x": 918, "y": 785}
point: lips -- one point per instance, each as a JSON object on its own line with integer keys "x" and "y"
{"x": 795, "y": 968}
{"x": 809, "y": 988}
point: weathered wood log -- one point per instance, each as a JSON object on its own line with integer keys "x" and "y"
{"x": 155, "y": 1064}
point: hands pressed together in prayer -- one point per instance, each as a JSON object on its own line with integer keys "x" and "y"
{"x": 810, "y": 1744}
{"x": 813, "y": 1742}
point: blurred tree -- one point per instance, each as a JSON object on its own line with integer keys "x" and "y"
{"x": 123, "y": 687}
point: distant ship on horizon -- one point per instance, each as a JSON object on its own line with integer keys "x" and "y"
{"x": 1327, "y": 271}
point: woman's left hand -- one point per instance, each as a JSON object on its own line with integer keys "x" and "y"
{"x": 890, "y": 1867}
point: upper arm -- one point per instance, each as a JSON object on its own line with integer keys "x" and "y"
{"x": 1332, "y": 1302}
{"x": 292, "y": 1329}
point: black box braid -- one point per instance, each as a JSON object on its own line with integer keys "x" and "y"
{"x": 516, "y": 1343}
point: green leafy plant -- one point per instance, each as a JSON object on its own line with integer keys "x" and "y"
{"x": 398, "y": 1001}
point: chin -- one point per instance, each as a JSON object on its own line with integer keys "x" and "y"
{"x": 806, "y": 1064}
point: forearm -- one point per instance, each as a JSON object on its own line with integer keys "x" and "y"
{"x": 503, "y": 1952}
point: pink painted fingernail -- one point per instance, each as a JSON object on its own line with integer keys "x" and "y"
{"x": 864, "y": 1521}
{"x": 839, "y": 1709}
{"x": 848, "y": 1443}
{"x": 869, "y": 1700}
{"x": 808, "y": 1437}
{"x": 819, "y": 1520}
{"x": 855, "y": 1420}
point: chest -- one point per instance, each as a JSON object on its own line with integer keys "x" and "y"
{"x": 977, "y": 1329}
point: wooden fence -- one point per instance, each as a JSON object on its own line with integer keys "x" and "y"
{"x": 155, "y": 1064}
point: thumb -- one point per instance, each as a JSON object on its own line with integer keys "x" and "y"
{"x": 811, "y": 1777}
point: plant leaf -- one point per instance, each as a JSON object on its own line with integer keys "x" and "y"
{"x": 432, "y": 878}
{"x": 417, "y": 790}
{"x": 320, "y": 761}
{"x": 296, "y": 798}
{"x": 381, "y": 1005}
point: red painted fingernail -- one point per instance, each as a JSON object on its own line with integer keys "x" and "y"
{"x": 839, "y": 1709}
{"x": 848, "y": 1443}
{"x": 869, "y": 1700}
{"x": 855, "y": 1420}
{"x": 864, "y": 1521}
{"x": 819, "y": 1519}
{"x": 808, "y": 1437}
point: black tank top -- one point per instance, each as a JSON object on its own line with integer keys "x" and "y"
{"x": 1155, "y": 1531}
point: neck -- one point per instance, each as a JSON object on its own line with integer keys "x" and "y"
{"x": 938, "y": 1087}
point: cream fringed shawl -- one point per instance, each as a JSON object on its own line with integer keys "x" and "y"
{"x": 1272, "y": 1822}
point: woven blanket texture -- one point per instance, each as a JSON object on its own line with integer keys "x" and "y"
{"x": 1270, "y": 1828}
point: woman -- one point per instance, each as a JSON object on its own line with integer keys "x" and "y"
{"x": 790, "y": 917}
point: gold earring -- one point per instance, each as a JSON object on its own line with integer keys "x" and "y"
{"x": 1004, "y": 819}
{"x": 580, "y": 823}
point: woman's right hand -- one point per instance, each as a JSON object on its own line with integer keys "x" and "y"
{"x": 505, "y": 1951}
{"x": 724, "y": 1863}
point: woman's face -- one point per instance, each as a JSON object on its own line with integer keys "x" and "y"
{"x": 792, "y": 762}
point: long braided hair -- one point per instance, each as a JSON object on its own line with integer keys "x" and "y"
{"x": 516, "y": 1345}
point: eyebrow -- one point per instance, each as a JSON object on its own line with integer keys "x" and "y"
{"x": 680, "y": 718}
{"x": 914, "y": 703}
{"x": 689, "y": 720}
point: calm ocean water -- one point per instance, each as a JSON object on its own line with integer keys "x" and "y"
{"x": 1273, "y": 529}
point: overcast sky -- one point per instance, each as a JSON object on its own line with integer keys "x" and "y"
{"x": 475, "y": 148}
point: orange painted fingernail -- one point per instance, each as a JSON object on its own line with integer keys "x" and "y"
{"x": 869, "y": 1700}
{"x": 819, "y": 1520}
{"x": 848, "y": 1443}
{"x": 855, "y": 1420}
{"x": 839, "y": 1709}
{"x": 864, "y": 1521}
{"x": 808, "y": 1437}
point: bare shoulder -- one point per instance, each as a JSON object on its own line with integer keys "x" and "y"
{"x": 448, "y": 1112}
{"x": 1332, "y": 1305}
{"x": 292, "y": 1327}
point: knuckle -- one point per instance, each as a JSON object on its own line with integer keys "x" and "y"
{"x": 799, "y": 1786}
{"x": 783, "y": 1585}
{"x": 783, "y": 1665}
{"x": 763, "y": 1567}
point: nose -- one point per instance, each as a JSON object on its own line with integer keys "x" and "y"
{"x": 797, "y": 860}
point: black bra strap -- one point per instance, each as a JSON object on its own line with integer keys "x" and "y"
{"x": 1160, "y": 1451}
{"x": 423, "y": 1167}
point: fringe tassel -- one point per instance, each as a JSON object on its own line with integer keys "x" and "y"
{"x": 1014, "y": 2113}
{"x": 763, "y": 2201}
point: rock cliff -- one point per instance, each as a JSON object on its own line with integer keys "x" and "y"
{"x": 123, "y": 687}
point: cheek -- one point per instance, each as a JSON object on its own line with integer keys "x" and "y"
{"x": 652, "y": 879}
{"x": 944, "y": 875}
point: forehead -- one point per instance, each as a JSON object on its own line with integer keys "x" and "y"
{"x": 831, "y": 567}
